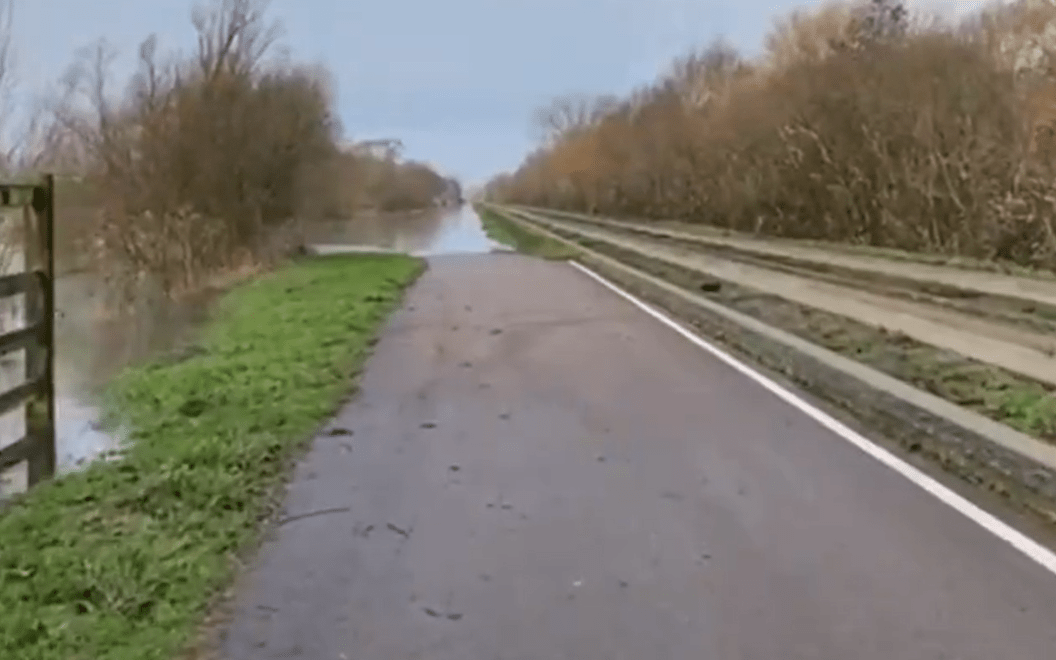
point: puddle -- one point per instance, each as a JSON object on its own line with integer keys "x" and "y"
{"x": 78, "y": 437}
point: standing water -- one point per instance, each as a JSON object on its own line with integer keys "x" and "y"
{"x": 92, "y": 346}
{"x": 454, "y": 230}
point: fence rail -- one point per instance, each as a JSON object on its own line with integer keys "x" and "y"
{"x": 36, "y": 336}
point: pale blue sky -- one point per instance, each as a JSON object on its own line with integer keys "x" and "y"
{"x": 457, "y": 80}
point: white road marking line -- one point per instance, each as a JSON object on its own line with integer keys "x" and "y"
{"x": 1021, "y": 542}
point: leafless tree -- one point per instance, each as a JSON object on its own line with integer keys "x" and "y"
{"x": 702, "y": 76}
{"x": 883, "y": 21}
{"x": 234, "y": 36}
{"x": 566, "y": 114}
{"x": 12, "y": 142}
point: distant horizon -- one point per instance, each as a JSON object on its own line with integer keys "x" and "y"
{"x": 457, "y": 83}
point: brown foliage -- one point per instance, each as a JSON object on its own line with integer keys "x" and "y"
{"x": 398, "y": 186}
{"x": 858, "y": 126}
{"x": 208, "y": 162}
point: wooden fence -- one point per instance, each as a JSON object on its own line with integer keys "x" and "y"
{"x": 36, "y": 335}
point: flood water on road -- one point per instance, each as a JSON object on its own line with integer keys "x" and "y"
{"x": 92, "y": 346}
{"x": 453, "y": 230}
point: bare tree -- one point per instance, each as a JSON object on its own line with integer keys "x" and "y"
{"x": 811, "y": 35}
{"x": 148, "y": 82}
{"x": 85, "y": 108}
{"x": 234, "y": 36}
{"x": 8, "y": 83}
{"x": 702, "y": 76}
{"x": 883, "y": 21}
{"x": 566, "y": 114}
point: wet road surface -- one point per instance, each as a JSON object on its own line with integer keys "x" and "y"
{"x": 536, "y": 469}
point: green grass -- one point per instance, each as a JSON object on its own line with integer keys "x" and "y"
{"x": 502, "y": 230}
{"x": 122, "y": 561}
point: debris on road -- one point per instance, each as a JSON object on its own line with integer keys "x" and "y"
{"x": 405, "y": 533}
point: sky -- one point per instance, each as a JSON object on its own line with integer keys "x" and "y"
{"x": 455, "y": 80}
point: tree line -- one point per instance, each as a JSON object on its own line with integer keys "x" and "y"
{"x": 861, "y": 123}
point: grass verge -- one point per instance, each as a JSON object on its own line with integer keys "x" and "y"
{"x": 121, "y": 561}
{"x": 501, "y": 230}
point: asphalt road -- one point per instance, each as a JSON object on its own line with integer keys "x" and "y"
{"x": 538, "y": 470}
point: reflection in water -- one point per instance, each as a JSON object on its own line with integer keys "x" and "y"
{"x": 91, "y": 347}
{"x": 437, "y": 231}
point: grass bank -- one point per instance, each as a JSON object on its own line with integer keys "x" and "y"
{"x": 502, "y": 230}
{"x": 121, "y": 561}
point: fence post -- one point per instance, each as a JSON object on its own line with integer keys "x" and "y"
{"x": 40, "y": 308}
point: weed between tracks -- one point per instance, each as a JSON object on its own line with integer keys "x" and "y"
{"x": 121, "y": 561}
